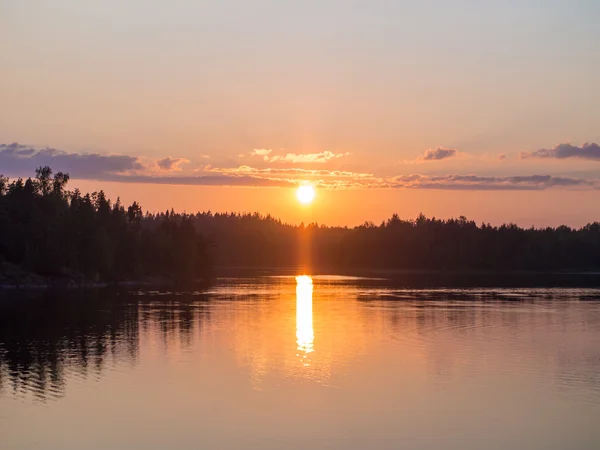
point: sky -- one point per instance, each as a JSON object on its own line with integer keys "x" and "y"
{"x": 487, "y": 109}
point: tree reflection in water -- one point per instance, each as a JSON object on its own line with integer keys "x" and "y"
{"x": 44, "y": 336}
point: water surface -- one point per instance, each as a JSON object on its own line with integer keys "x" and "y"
{"x": 286, "y": 363}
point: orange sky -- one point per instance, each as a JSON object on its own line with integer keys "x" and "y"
{"x": 354, "y": 206}
{"x": 485, "y": 111}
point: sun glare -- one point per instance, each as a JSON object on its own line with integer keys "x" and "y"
{"x": 305, "y": 194}
{"x": 305, "y": 334}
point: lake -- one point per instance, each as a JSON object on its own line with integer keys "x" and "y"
{"x": 289, "y": 362}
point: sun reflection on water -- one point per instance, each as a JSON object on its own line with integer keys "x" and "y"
{"x": 305, "y": 335}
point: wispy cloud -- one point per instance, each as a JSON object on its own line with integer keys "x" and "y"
{"x": 291, "y": 171}
{"x": 474, "y": 182}
{"x": 438, "y": 154}
{"x": 563, "y": 151}
{"x": 448, "y": 182}
{"x": 204, "y": 180}
{"x": 297, "y": 158}
{"x": 263, "y": 152}
{"x": 322, "y": 157}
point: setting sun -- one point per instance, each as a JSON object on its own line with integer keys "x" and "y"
{"x": 305, "y": 194}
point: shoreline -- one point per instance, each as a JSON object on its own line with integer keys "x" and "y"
{"x": 30, "y": 282}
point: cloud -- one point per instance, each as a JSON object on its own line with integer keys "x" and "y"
{"x": 322, "y": 157}
{"x": 171, "y": 164}
{"x": 21, "y": 159}
{"x": 246, "y": 176}
{"x": 297, "y": 158}
{"x": 474, "y": 182}
{"x": 438, "y": 154}
{"x": 258, "y": 178}
{"x": 292, "y": 171}
{"x": 564, "y": 151}
{"x": 203, "y": 180}
{"x": 261, "y": 152}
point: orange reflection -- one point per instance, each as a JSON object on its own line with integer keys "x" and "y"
{"x": 305, "y": 334}
{"x": 276, "y": 337}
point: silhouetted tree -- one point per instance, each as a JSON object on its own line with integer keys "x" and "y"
{"x": 250, "y": 240}
{"x": 46, "y": 230}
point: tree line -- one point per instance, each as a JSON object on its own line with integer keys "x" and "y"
{"x": 46, "y": 229}
{"x": 50, "y": 231}
{"x": 456, "y": 244}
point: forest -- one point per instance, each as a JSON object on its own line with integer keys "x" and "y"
{"x": 421, "y": 244}
{"x": 50, "y": 231}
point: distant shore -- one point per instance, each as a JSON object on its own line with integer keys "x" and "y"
{"x": 14, "y": 278}
{"x": 402, "y": 279}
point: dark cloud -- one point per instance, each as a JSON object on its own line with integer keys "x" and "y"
{"x": 20, "y": 160}
{"x": 169, "y": 163}
{"x": 438, "y": 154}
{"x": 563, "y": 151}
{"x": 474, "y": 182}
{"x": 17, "y": 159}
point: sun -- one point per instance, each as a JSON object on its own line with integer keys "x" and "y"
{"x": 305, "y": 194}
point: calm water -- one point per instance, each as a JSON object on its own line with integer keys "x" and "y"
{"x": 280, "y": 363}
